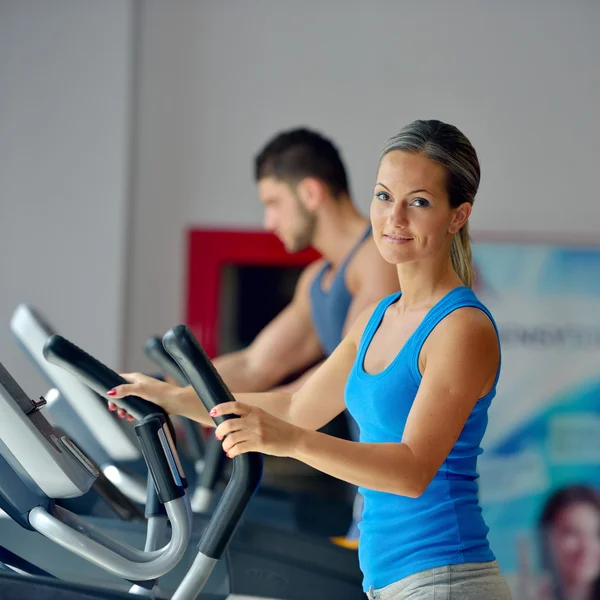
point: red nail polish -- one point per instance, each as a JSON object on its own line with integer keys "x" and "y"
{"x": 213, "y": 412}
{"x": 227, "y": 453}
{"x": 111, "y": 393}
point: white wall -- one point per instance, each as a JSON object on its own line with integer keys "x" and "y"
{"x": 219, "y": 78}
{"x": 214, "y": 81}
{"x": 64, "y": 133}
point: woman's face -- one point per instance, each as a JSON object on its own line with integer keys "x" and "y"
{"x": 410, "y": 212}
{"x": 575, "y": 543}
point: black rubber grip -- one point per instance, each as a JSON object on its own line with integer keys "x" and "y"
{"x": 181, "y": 344}
{"x": 245, "y": 479}
{"x": 161, "y": 458}
{"x": 247, "y": 469}
{"x": 95, "y": 375}
{"x": 156, "y": 352}
{"x": 214, "y": 465}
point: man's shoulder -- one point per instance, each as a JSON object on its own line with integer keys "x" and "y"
{"x": 366, "y": 252}
{"x": 368, "y": 266}
{"x": 308, "y": 275}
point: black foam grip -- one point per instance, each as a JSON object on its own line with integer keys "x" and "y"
{"x": 214, "y": 465}
{"x": 193, "y": 439}
{"x": 181, "y": 344}
{"x": 245, "y": 479}
{"x": 156, "y": 352}
{"x": 95, "y": 375}
{"x": 161, "y": 459}
{"x": 246, "y": 473}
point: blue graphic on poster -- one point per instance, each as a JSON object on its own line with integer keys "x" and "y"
{"x": 540, "y": 470}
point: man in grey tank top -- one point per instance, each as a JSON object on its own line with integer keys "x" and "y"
{"x": 303, "y": 186}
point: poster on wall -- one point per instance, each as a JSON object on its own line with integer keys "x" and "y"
{"x": 540, "y": 470}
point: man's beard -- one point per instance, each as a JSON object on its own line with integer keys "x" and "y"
{"x": 304, "y": 236}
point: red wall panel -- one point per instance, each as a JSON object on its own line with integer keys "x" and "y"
{"x": 208, "y": 250}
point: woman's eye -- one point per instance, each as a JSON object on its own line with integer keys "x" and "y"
{"x": 382, "y": 196}
{"x": 420, "y": 202}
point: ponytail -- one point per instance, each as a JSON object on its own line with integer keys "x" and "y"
{"x": 460, "y": 254}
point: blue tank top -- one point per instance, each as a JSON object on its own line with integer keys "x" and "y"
{"x": 329, "y": 309}
{"x": 400, "y": 536}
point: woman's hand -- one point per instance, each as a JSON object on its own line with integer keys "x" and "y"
{"x": 254, "y": 431}
{"x": 158, "y": 392}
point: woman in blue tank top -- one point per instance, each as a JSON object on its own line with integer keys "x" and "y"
{"x": 417, "y": 372}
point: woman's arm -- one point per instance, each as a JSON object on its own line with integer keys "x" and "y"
{"x": 317, "y": 402}
{"x": 459, "y": 362}
{"x": 185, "y": 402}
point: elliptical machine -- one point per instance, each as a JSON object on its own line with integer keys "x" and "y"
{"x": 292, "y": 582}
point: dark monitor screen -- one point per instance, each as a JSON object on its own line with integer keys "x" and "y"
{"x": 251, "y": 296}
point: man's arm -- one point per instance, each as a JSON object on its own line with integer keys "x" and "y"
{"x": 288, "y": 344}
{"x": 296, "y": 384}
{"x": 369, "y": 279}
{"x": 319, "y": 400}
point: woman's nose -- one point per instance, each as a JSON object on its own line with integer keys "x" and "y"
{"x": 398, "y": 216}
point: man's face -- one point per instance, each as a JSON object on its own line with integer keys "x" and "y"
{"x": 285, "y": 214}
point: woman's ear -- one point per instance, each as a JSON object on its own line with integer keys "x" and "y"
{"x": 460, "y": 217}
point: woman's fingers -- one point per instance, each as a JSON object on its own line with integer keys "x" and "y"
{"x": 120, "y": 391}
{"x": 131, "y": 377}
{"x": 228, "y": 427}
{"x": 145, "y": 387}
{"x": 121, "y": 413}
{"x": 235, "y": 438}
{"x": 230, "y": 408}
{"x": 234, "y": 431}
{"x": 240, "y": 448}
{"x": 136, "y": 386}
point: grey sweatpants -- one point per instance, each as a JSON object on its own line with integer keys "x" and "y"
{"x": 467, "y": 581}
